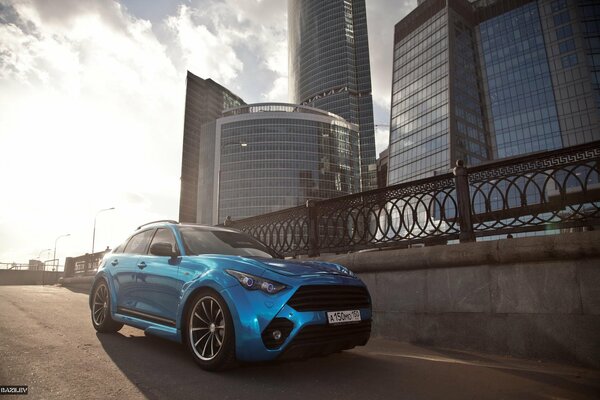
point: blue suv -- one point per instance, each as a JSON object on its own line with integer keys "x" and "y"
{"x": 227, "y": 296}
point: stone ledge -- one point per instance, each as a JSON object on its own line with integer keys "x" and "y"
{"x": 567, "y": 246}
{"x": 76, "y": 280}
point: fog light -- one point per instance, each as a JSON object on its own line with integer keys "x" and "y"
{"x": 276, "y": 334}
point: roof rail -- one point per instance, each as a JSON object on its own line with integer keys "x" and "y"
{"x": 160, "y": 220}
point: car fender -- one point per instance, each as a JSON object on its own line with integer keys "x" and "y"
{"x": 216, "y": 280}
{"x": 103, "y": 274}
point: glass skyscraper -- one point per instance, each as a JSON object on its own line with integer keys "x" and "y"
{"x": 272, "y": 156}
{"x": 491, "y": 79}
{"x": 205, "y": 101}
{"x": 329, "y": 67}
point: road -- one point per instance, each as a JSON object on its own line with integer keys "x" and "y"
{"x": 47, "y": 342}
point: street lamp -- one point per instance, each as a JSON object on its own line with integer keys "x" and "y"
{"x": 39, "y": 257}
{"x": 240, "y": 144}
{"x": 54, "y": 257}
{"x": 94, "y": 233}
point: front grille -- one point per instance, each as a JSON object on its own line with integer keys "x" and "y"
{"x": 313, "y": 340}
{"x": 330, "y": 298}
{"x": 283, "y": 325}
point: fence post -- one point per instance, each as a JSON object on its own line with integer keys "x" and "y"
{"x": 313, "y": 228}
{"x": 463, "y": 198}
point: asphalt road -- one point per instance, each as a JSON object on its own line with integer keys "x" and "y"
{"x": 47, "y": 342}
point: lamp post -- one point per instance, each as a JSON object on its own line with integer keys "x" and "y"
{"x": 240, "y": 144}
{"x": 55, "y": 242}
{"x": 53, "y": 258}
{"x": 39, "y": 257}
{"x": 94, "y": 233}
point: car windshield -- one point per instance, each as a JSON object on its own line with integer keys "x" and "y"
{"x": 203, "y": 241}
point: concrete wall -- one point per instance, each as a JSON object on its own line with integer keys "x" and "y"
{"x": 536, "y": 297}
{"x": 26, "y": 277}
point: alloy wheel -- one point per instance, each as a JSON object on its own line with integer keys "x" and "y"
{"x": 207, "y": 328}
{"x": 100, "y": 307}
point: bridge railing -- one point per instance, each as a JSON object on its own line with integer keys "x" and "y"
{"x": 545, "y": 191}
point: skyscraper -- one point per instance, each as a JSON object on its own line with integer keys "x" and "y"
{"x": 205, "y": 101}
{"x": 490, "y": 79}
{"x": 273, "y": 156}
{"x": 329, "y": 67}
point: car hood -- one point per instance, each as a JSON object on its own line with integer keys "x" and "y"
{"x": 302, "y": 268}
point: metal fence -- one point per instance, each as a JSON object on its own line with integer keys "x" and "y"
{"x": 545, "y": 191}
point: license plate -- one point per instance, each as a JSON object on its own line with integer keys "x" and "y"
{"x": 343, "y": 317}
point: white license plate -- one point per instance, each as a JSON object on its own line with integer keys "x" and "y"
{"x": 343, "y": 317}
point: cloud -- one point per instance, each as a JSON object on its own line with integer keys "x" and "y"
{"x": 233, "y": 42}
{"x": 91, "y": 104}
{"x": 91, "y": 107}
{"x": 92, "y": 98}
{"x": 207, "y": 52}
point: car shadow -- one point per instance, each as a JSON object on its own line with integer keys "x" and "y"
{"x": 164, "y": 369}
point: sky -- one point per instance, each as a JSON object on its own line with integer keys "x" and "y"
{"x": 92, "y": 102}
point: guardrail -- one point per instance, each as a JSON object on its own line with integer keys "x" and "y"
{"x": 14, "y": 266}
{"x": 545, "y": 191}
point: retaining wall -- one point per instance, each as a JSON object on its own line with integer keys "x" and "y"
{"x": 536, "y": 297}
{"x": 26, "y": 277}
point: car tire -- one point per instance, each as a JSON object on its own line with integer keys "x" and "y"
{"x": 101, "y": 318}
{"x": 209, "y": 332}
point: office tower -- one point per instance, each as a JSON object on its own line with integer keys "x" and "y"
{"x": 382, "y": 168}
{"x": 329, "y": 67}
{"x": 272, "y": 156}
{"x": 491, "y": 79}
{"x": 205, "y": 101}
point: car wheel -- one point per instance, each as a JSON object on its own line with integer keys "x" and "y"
{"x": 210, "y": 336}
{"x": 101, "y": 318}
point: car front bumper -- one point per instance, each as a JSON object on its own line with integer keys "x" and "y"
{"x": 304, "y": 333}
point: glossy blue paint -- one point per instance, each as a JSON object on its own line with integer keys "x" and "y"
{"x": 151, "y": 292}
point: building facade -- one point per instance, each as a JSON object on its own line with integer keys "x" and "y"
{"x": 205, "y": 101}
{"x": 382, "y": 168}
{"x": 491, "y": 79}
{"x": 272, "y": 156}
{"x": 329, "y": 67}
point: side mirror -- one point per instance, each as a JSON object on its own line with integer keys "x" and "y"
{"x": 162, "y": 249}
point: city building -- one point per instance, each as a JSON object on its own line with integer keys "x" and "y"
{"x": 205, "y": 101}
{"x": 36, "y": 265}
{"x": 490, "y": 79}
{"x": 382, "y": 168}
{"x": 271, "y": 156}
{"x": 329, "y": 67}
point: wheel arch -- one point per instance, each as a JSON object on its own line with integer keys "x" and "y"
{"x": 189, "y": 294}
{"x": 102, "y": 276}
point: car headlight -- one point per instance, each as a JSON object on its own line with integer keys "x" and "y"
{"x": 252, "y": 282}
{"x": 345, "y": 270}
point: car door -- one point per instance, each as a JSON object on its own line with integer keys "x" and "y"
{"x": 125, "y": 270}
{"x": 159, "y": 297}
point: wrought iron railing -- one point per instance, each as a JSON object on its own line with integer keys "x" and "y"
{"x": 552, "y": 190}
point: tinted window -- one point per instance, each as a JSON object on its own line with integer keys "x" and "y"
{"x": 138, "y": 243}
{"x": 202, "y": 241}
{"x": 564, "y": 32}
{"x": 559, "y": 5}
{"x": 119, "y": 248}
{"x": 164, "y": 235}
{"x": 566, "y": 46}
{"x": 561, "y": 18}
